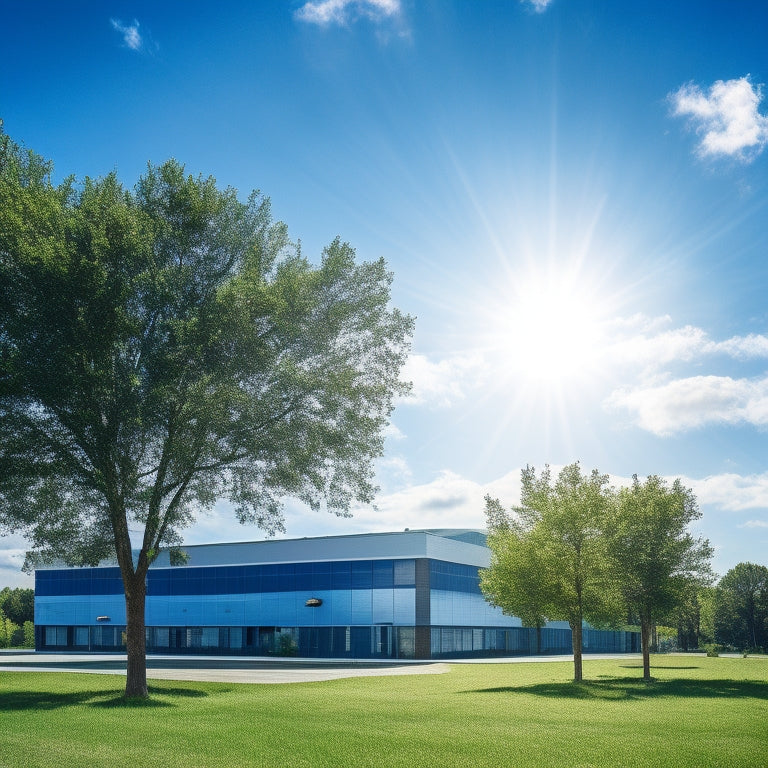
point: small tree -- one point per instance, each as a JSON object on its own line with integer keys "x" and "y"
{"x": 554, "y": 538}
{"x": 165, "y": 347}
{"x": 29, "y": 634}
{"x": 7, "y": 631}
{"x": 654, "y": 558}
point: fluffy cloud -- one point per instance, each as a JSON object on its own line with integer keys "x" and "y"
{"x": 733, "y": 493}
{"x": 643, "y": 341}
{"x": 130, "y": 32}
{"x": 726, "y": 117}
{"x": 447, "y": 501}
{"x": 443, "y": 383}
{"x": 692, "y": 402}
{"x": 645, "y": 347}
{"x": 327, "y": 12}
{"x": 638, "y": 349}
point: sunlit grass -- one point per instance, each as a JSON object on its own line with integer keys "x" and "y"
{"x": 698, "y": 712}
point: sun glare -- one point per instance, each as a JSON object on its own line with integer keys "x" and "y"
{"x": 549, "y": 331}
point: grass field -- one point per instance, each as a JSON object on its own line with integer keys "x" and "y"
{"x": 698, "y": 712}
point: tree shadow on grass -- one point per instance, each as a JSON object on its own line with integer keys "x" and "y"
{"x": 640, "y": 666}
{"x": 46, "y": 700}
{"x": 631, "y": 688}
{"x": 157, "y": 698}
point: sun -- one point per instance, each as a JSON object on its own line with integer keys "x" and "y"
{"x": 549, "y": 330}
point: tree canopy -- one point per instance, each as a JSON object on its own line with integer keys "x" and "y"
{"x": 577, "y": 549}
{"x": 548, "y": 556}
{"x": 655, "y": 559}
{"x": 518, "y": 580}
{"x": 167, "y": 346}
{"x": 18, "y": 604}
{"x": 741, "y": 607}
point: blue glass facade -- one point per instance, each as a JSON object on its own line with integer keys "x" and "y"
{"x": 377, "y": 607}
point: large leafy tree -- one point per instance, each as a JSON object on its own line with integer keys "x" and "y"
{"x": 741, "y": 607}
{"x": 655, "y": 559}
{"x": 167, "y": 346}
{"x": 548, "y": 554}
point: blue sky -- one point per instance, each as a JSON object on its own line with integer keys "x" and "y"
{"x": 572, "y": 195}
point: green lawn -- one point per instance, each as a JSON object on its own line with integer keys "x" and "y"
{"x": 699, "y": 712}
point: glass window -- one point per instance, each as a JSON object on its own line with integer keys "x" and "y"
{"x": 56, "y": 636}
{"x": 405, "y": 573}
{"x": 382, "y": 574}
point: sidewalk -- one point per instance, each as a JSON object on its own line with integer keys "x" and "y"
{"x": 250, "y": 669}
{"x": 227, "y": 669}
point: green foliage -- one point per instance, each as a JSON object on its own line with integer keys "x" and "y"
{"x": 29, "y": 634}
{"x": 741, "y": 607}
{"x": 477, "y": 714}
{"x": 8, "y": 632}
{"x": 18, "y": 604}
{"x": 517, "y": 581}
{"x": 655, "y": 560}
{"x": 165, "y": 347}
{"x": 713, "y": 650}
{"x": 577, "y": 549}
{"x": 693, "y": 617}
{"x": 548, "y": 558}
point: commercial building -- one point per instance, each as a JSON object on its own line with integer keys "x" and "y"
{"x": 406, "y": 595}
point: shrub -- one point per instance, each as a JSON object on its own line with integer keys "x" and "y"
{"x": 29, "y": 634}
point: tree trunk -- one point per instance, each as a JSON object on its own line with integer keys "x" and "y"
{"x": 576, "y": 639}
{"x": 135, "y": 639}
{"x": 645, "y": 637}
{"x": 538, "y": 638}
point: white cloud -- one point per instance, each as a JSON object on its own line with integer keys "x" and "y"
{"x": 645, "y": 347}
{"x": 538, "y": 5}
{"x": 755, "y": 524}
{"x": 443, "y": 383}
{"x": 392, "y": 432}
{"x": 658, "y": 348}
{"x": 645, "y": 341}
{"x": 744, "y": 347}
{"x": 327, "y": 12}
{"x": 726, "y": 117}
{"x": 130, "y": 32}
{"x": 692, "y": 402}
{"x": 732, "y": 492}
{"x": 12, "y": 551}
{"x": 448, "y": 501}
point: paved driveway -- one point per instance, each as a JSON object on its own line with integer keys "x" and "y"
{"x": 233, "y": 669}
{"x": 239, "y": 669}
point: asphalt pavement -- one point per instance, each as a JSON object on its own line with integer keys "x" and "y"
{"x": 239, "y": 669}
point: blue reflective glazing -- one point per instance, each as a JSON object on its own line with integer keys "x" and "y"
{"x": 454, "y": 577}
{"x": 234, "y": 579}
